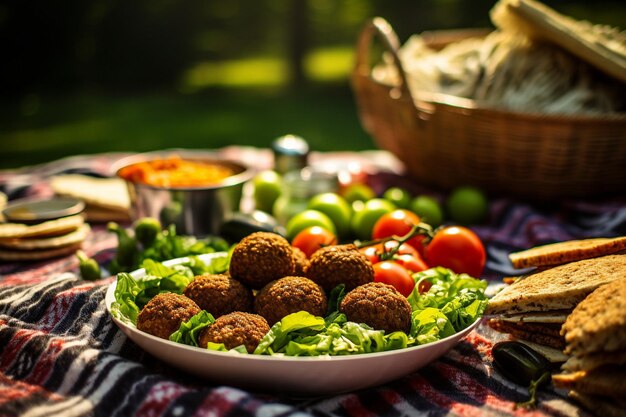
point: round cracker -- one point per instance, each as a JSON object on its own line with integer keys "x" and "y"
{"x": 71, "y": 238}
{"x": 37, "y": 255}
{"x": 55, "y": 227}
{"x": 568, "y": 251}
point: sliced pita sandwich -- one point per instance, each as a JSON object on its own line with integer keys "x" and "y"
{"x": 559, "y": 288}
{"x": 535, "y": 307}
{"x": 595, "y": 336}
{"x": 546, "y": 256}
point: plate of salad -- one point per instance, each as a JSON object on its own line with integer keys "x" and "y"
{"x": 302, "y": 354}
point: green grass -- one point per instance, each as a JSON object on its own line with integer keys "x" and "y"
{"x": 218, "y": 104}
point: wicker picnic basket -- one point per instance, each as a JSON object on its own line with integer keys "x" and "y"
{"x": 448, "y": 141}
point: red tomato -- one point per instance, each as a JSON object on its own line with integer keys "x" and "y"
{"x": 312, "y": 238}
{"x": 404, "y": 249}
{"x": 412, "y": 263}
{"x": 396, "y": 275}
{"x": 396, "y": 223}
{"x": 372, "y": 253}
{"x": 459, "y": 249}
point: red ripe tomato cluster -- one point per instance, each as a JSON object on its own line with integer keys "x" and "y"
{"x": 395, "y": 260}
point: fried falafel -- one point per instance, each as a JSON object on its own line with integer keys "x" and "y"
{"x": 235, "y": 329}
{"x": 260, "y": 258}
{"x": 301, "y": 262}
{"x": 378, "y": 305}
{"x": 337, "y": 264}
{"x": 219, "y": 294}
{"x": 289, "y": 295}
{"x": 164, "y": 313}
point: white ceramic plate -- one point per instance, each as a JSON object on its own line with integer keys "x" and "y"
{"x": 300, "y": 376}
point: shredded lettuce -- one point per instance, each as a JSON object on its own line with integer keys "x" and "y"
{"x": 302, "y": 334}
{"x": 453, "y": 302}
{"x": 131, "y": 294}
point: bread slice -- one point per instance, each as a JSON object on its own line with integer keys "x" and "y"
{"x": 569, "y": 251}
{"x": 598, "y": 323}
{"x": 594, "y": 360}
{"x": 607, "y": 380}
{"x": 558, "y": 288}
{"x": 600, "y": 405}
{"x": 542, "y": 334}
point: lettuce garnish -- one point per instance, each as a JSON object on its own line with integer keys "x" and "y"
{"x": 131, "y": 294}
{"x": 453, "y": 302}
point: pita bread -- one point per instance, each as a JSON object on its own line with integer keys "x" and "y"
{"x": 569, "y": 251}
{"x": 598, "y": 323}
{"x": 108, "y": 193}
{"x": 599, "y": 405}
{"x": 558, "y": 288}
{"x": 37, "y": 255}
{"x": 607, "y": 380}
{"x": 542, "y": 334}
{"x": 594, "y": 360}
{"x": 548, "y": 317}
{"x": 71, "y": 238}
{"x": 55, "y": 227}
{"x": 599, "y": 45}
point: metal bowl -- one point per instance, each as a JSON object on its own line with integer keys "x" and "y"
{"x": 198, "y": 211}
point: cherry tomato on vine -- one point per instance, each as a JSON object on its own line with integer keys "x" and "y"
{"x": 375, "y": 252}
{"x": 457, "y": 248}
{"x": 398, "y": 223}
{"x": 312, "y": 238}
{"x": 394, "y": 274}
{"x": 411, "y": 262}
{"x": 372, "y": 253}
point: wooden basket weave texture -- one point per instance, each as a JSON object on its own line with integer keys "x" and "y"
{"x": 447, "y": 141}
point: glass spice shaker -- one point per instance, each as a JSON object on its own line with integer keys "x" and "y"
{"x": 291, "y": 153}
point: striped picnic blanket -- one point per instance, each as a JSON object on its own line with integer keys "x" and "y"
{"x": 61, "y": 354}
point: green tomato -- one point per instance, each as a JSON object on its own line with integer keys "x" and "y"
{"x": 428, "y": 209}
{"x": 398, "y": 196}
{"x": 363, "y": 220}
{"x": 267, "y": 188}
{"x": 336, "y": 208}
{"x": 308, "y": 218}
{"x": 358, "y": 192}
{"x": 467, "y": 205}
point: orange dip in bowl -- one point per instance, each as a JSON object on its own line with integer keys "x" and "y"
{"x": 176, "y": 172}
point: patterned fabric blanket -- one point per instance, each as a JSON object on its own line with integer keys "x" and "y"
{"x": 61, "y": 354}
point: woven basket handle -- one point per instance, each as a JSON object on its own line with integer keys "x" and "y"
{"x": 387, "y": 36}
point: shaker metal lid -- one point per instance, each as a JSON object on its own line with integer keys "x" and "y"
{"x": 290, "y": 153}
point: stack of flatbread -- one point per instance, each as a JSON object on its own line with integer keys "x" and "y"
{"x": 50, "y": 239}
{"x": 571, "y": 308}
{"x": 106, "y": 199}
{"x": 595, "y": 337}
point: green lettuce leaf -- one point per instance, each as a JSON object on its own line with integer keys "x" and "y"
{"x": 189, "y": 331}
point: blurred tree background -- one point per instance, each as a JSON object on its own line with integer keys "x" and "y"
{"x": 84, "y": 76}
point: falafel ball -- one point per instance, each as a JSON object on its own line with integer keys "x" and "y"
{"x": 219, "y": 294}
{"x": 164, "y": 313}
{"x": 337, "y": 264}
{"x": 235, "y": 329}
{"x": 261, "y": 257}
{"x": 289, "y": 295}
{"x": 378, "y": 305}
{"x": 301, "y": 262}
